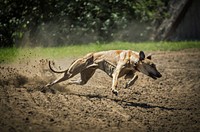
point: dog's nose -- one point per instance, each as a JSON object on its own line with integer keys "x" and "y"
{"x": 159, "y": 75}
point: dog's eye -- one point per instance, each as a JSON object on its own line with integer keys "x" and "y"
{"x": 153, "y": 65}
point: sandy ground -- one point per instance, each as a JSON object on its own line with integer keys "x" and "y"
{"x": 171, "y": 103}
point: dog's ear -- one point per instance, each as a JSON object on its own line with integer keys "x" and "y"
{"x": 141, "y": 55}
{"x": 149, "y": 56}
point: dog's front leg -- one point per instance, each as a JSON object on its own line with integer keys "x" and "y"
{"x": 115, "y": 78}
{"x": 132, "y": 81}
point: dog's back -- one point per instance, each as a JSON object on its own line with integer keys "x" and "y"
{"x": 114, "y": 56}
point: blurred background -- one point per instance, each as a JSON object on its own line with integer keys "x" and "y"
{"x": 68, "y": 22}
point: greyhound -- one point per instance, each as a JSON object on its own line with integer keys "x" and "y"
{"x": 116, "y": 63}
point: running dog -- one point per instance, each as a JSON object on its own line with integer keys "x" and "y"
{"x": 116, "y": 63}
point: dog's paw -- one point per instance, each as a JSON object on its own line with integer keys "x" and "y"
{"x": 48, "y": 85}
{"x": 115, "y": 92}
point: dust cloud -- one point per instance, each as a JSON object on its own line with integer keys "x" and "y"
{"x": 59, "y": 34}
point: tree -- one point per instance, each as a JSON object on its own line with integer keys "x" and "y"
{"x": 66, "y": 20}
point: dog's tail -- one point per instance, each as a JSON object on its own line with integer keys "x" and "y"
{"x": 55, "y": 70}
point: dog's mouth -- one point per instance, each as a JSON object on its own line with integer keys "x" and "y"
{"x": 155, "y": 76}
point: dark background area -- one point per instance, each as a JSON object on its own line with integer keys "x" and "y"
{"x": 61, "y": 22}
{"x": 58, "y": 22}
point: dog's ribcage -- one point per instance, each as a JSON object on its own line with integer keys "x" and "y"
{"x": 107, "y": 67}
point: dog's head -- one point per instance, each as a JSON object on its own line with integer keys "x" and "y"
{"x": 146, "y": 66}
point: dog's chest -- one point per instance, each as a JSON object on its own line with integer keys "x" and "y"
{"x": 109, "y": 68}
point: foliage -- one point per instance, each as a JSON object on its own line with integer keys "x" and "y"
{"x": 65, "y": 20}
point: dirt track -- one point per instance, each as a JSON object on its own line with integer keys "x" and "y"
{"x": 171, "y": 103}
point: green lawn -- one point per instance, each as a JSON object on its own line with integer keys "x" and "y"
{"x": 10, "y": 54}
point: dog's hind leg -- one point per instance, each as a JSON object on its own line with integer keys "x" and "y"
{"x": 85, "y": 76}
{"x": 76, "y": 67}
{"x": 63, "y": 77}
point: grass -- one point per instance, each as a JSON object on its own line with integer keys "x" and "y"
{"x": 11, "y": 54}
